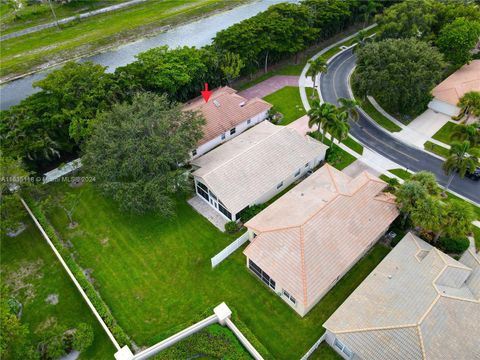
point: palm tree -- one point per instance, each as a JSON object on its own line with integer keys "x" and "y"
{"x": 467, "y": 132}
{"x": 321, "y": 115}
{"x": 317, "y": 66}
{"x": 338, "y": 127}
{"x": 469, "y": 104}
{"x": 462, "y": 158}
{"x": 350, "y": 106}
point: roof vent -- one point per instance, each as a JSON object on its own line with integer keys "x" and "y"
{"x": 389, "y": 276}
{"x": 242, "y": 104}
{"x": 216, "y": 103}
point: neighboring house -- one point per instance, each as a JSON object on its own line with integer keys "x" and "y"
{"x": 303, "y": 243}
{"x": 227, "y": 115}
{"x": 418, "y": 304}
{"x": 449, "y": 91}
{"x": 254, "y": 167}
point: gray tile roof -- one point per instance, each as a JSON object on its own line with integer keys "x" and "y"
{"x": 245, "y": 168}
{"x": 429, "y": 299}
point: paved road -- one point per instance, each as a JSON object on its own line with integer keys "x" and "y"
{"x": 334, "y": 84}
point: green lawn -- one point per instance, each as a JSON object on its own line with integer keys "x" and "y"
{"x": 339, "y": 159}
{"x": 21, "y": 54}
{"x": 367, "y": 106}
{"x": 325, "y": 352}
{"x": 436, "y": 149}
{"x": 476, "y": 236}
{"x": 287, "y": 101}
{"x": 352, "y": 144}
{"x": 40, "y": 13}
{"x": 445, "y": 132}
{"x": 155, "y": 275}
{"x": 32, "y": 272}
{"x": 401, "y": 173}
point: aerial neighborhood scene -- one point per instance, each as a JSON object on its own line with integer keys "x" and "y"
{"x": 241, "y": 179}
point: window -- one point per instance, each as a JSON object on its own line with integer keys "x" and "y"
{"x": 224, "y": 211}
{"x": 202, "y": 193}
{"x": 213, "y": 195}
{"x": 249, "y": 121}
{"x": 261, "y": 274}
{"x": 223, "y": 136}
{"x": 289, "y": 297}
{"x": 297, "y": 173}
{"x": 338, "y": 344}
{"x": 342, "y": 347}
{"x": 280, "y": 185}
{"x": 307, "y": 164}
{"x": 233, "y": 131}
{"x": 194, "y": 152}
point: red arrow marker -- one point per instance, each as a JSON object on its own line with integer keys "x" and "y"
{"x": 206, "y": 93}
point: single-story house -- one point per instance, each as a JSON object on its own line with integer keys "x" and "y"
{"x": 253, "y": 167}
{"x": 304, "y": 242}
{"x": 418, "y": 304}
{"x": 227, "y": 115}
{"x": 449, "y": 91}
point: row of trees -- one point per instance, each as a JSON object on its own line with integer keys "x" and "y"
{"x": 54, "y": 122}
{"x": 417, "y": 44}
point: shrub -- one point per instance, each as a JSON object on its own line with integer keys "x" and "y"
{"x": 453, "y": 246}
{"x": 231, "y": 227}
{"x": 83, "y": 337}
{"x": 250, "y": 212}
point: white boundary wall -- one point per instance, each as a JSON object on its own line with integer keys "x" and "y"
{"x": 72, "y": 277}
{"x": 222, "y": 255}
{"x": 62, "y": 170}
{"x": 314, "y": 347}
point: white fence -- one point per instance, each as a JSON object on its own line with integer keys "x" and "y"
{"x": 62, "y": 170}
{"x": 314, "y": 347}
{"x": 222, "y": 255}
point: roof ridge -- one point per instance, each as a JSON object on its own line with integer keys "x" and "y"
{"x": 329, "y": 170}
{"x": 442, "y": 255}
{"x": 458, "y": 298}
{"x": 422, "y": 345}
{"x": 279, "y": 128}
{"x": 302, "y": 265}
{"x": 430, "y": 307}
{"x": 390, "y": 327}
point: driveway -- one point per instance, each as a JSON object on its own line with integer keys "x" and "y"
{"x": 269, "y": 86}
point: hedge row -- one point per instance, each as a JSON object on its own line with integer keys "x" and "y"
{"x": 97, "y": 301}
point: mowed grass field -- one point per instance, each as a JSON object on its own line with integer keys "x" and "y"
{"x": 156, "y": 276}
{"x": 287, "y": 101}
{"x": 21, "y": 54}
{"x": 32, "y": 272}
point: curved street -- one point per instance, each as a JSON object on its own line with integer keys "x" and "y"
{"x": 334, "y": 84}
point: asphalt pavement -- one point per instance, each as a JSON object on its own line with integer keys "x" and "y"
{"x": 334, "y": 84}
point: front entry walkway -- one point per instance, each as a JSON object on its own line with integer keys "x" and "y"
{"x": 208, "y": 212}
{"x": 269, "y": 86}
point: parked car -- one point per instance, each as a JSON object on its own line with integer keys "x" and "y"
{"x": 475, "y": 175}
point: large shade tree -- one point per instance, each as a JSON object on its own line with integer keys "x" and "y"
{"x": 136, "y": 152}
{"x": 457, "y": 39}
{"x": 399, "y": 74}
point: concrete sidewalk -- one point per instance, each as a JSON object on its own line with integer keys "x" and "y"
{"x": 269, "y": 86}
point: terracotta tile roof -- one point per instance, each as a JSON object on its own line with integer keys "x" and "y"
{"x": 245, "y": 168}
{"x": 224, "y": 110}
{"x": 465, "y": 79}
{"x": 316, "y": 231}
{"x": 432, "y": 294}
